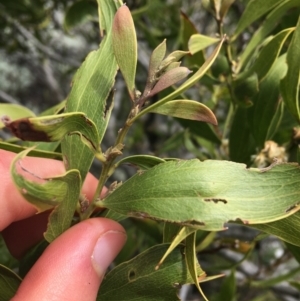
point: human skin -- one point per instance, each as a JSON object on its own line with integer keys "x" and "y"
{"x": 73, "y": 265}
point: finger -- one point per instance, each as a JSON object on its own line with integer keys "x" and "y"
{"x": 72, "y": 267}
{"x": 13, "y": 205}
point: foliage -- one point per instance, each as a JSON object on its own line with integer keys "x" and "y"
{"x": 240, "y": 104}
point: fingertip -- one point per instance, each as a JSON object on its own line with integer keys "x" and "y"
{"x": 72, "y": 267}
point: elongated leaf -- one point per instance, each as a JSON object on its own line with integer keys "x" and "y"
{"x": 62, "y": 191}
{"x": 287, "y": 229}
{"x": 92, "y": 85}
{"x": 61, "y": 217}
{"x": 34, "y": 153}
{"x": 55, "y": 128}
{"x": 270, "y": 22}
{"x": 192, "y": 262}
{"x": 136, "y": 280}
{"x": 181, "y": 235}
{"x": 290, "y": 84}
{"x": 187, "y": 109}
{"x": 254, "y": 10}
{"x": 187, "y": 84}
{"x": 14, "y": 112}
{"x": 142, "y": 161}
{"x": 9, "y": 283}
{"x": 267, "y": 104}
{"x": 125, "y": 46}
{"x": 295, "y": 250}
{"x": 269, "y": 54}
{"x": 199, "y": 42}
{"x": 205, "y": 195}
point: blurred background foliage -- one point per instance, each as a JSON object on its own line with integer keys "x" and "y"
{"x": 43, "y": 42}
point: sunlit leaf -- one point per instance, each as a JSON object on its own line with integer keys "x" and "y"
{"x": 187, "y": 109}
{"x": 9, "y": 283}
{"x": 290, "y": 84}
{"x": 136, "y": 280}
{"x": 14, "y": 112}
{"x": 125, "y": 46}
{"x": 92, "y": 85}
{"x": 199, "y": 42}
{"x": 207, "y": 194}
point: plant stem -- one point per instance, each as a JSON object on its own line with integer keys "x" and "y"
{"x": 108, "y": 166}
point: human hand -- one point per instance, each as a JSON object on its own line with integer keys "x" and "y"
{"x": 72, "y": 267}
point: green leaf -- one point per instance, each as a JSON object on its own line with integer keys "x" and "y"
{"x": 61, "y": 191}
{"x": 253, "y": 11}
{"x": 287, "y": 229}
{"x": 92, "y": 85}
{"x": 187, "y": 109}
{"x": 61, "y": 216}
{"x": 295, "y": 250}
{"x": 270, "y": 22}
{"x": 200, "y": 129}
{"x": 34, "y": 153}
{"x": 290, "y": 84}
{"x": 208, "y": 194}
{"x": 136, "y": 280}
{"x": 55, "y": 128}
{"x": 228, "y": 288}
{"x": 14, "y": 112}
{"x": 9, "y": 283}
{"x": 79, "y": 13}
{"x": 170, "y": 232}
{"x": 180, "y": 236}
{"x": 268, "y": 55}
{"x": 241, "y": 144}
{"x": 245, "y": 89}
{"x": 199, "y": 42}
{"x": 142, "y": 161}
{"x": 187, "y": 29}
{"x": 124, "y": 44}
{"x": 266, "y": 113}
{"x": 187, "y": 84}
{"x": 192, "y": 262}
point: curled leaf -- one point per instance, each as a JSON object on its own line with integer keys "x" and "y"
{"x": 187, "y": 109}
{"x": 55, "y": 128}
{"x": 124, "y": 44}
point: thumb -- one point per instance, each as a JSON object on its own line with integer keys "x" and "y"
{"x": 73, "y": 266}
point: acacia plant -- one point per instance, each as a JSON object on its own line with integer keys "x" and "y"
{"x": 191, "y": 199}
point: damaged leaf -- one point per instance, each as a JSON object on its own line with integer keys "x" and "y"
{"x": 136, "y": 280}
{"x": 45, "y": 193}
{"x": 55, "y": 128}
{"x": 208, "y": 194}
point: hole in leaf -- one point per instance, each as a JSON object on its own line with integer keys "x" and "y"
{"x": 24, "y": 191}
{"x": 131, "y": 275}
